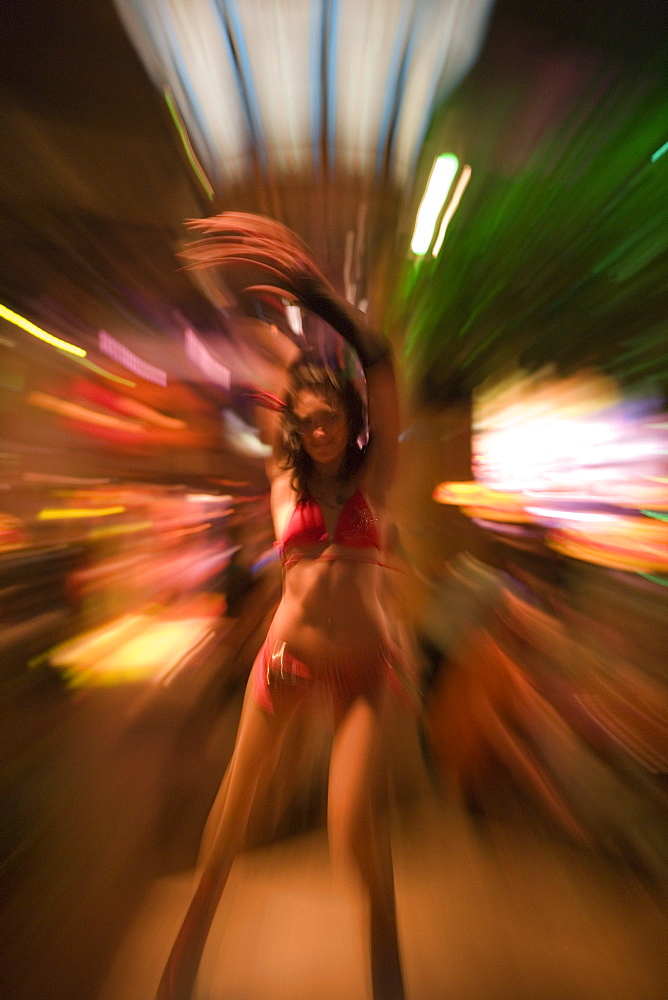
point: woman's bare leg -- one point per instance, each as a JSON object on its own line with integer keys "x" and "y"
{"x": 258, "y": 738}
{"x": 359, "y": 837}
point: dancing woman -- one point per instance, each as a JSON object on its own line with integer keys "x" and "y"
{"x": 328, "y": 648}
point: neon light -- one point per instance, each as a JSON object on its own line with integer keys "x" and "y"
{"x": 37, "y": 331}
{"x": 117, "y": 351}
{"x": 68, "y": 513}
{"x": 452, "y": 208}
{"x": 440, "y": 179}
{"x": 190, "y": 153}
{"x": 105, "y": 374}
{"x": 203, "y": 359}
{"x": 659, "y": 153}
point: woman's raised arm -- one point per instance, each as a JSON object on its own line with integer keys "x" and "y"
{"x": 247, "y": 243}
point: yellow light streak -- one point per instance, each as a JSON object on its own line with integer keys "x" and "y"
{"x": 110, "y": 530}
{"x": 138, "y": 647}
{"x": 68, "y": 513}
{"x": 37, "y": 331}
{"x": 105, "y": 374}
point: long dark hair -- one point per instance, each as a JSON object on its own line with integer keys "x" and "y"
{"x": 310, "y": 372}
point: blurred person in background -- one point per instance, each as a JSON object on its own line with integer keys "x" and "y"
{"x": 329, "y": 648}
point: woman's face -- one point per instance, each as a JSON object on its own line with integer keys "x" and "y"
{"x": 322, "y": 424}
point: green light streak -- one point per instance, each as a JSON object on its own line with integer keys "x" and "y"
{"x": 654, "y": 513}
{"x": 659, "y": 153}
{"x": 662, "y": 580}
{"x": 190, "y": 153}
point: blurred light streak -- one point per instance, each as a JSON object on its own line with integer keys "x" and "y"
{"x": 115, "y": 530}
{"x": 268, "y": 557}
{"x": 216, "y": 498}
{"x": 172, "y": 669}
{"x": 187, "y": 145}
{"x": 152, "y": 416}
{"x": 36, "y": 331}
{"x": 282, "y": 48}
{"x": 243, "y": 436}
{"x": 335, "y": 83}
{"x": 108, "y": 399}
{"x": 617, "y": 549}
{"x": 402, "y": 46}
{"x": 294, "y": 317}
{"x": 661, "y": 580}
{"x": 570, "y": 515}
{"x": 316, "y": 88}
{"x": 331, "y": 73}
{"x": 540, "y": 432}
{"x": 114, "y": 349}
{"x": 66, "y": 408}
{"x": 475, "y": 494}
{"x": 233, "y": 35}
{"x": 449, "y": 40}
{"x": 576, "y": 459}
{"x": 581, "y": 191}
{"x": 452, "y": 207}
{"x": 442, "y": 174}
{"x": 138, "y": 647}
{"x": 108, "y": 375}
{"x": 659, "y": 153}
{"x": 55, "y": 478}
{"x": 203, "y": 359}
{"x": 67, "y": 513}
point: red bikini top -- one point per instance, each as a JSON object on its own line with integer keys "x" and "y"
{"x": 355, "y": 528}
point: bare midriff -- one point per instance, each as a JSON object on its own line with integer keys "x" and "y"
{"x": 330, "y": 612}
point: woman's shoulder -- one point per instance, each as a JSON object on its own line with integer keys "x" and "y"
{"x": 283, "y": 499}
{"x": 282, "y": 490}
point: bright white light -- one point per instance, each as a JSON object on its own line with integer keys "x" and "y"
{"x": 573, "y": 436}
{"x": 209, "y": 498}
{"x": 591, "y": 517}
{"x": 441, "y": 177}
{"x": 294, "y": 317}
{"x": 248, "y": 77}
{"x": 462, "y": 183}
